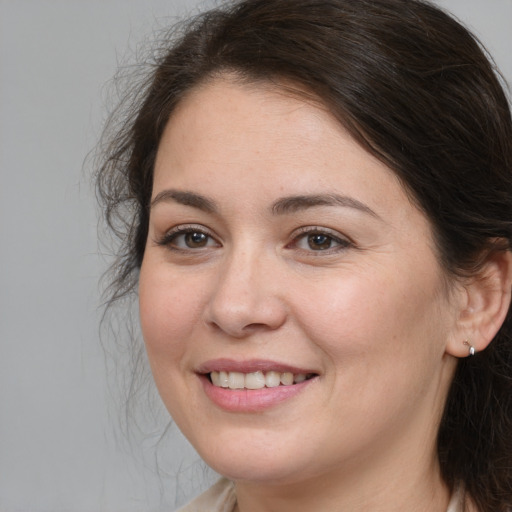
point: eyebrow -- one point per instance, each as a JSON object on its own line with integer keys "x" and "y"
{"x": 284, "y": 206}
{"x": 185, "y": 198}
{"x": 293, "y": 204}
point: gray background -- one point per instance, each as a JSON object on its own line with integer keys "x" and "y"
{"x": 59, "y": 450}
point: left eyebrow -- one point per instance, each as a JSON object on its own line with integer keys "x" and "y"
{"x": 185, "y": 198}
{"x": 293, "y": 204}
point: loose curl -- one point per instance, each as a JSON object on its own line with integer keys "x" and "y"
{"x": 416, "y": 90}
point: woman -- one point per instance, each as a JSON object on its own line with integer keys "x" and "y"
{"x": 320, "y": 208}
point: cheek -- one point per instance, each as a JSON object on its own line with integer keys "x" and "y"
{"x": 384, "y": 352}
{"x": 169, "y": 309}
{"x": 376, "y": 316}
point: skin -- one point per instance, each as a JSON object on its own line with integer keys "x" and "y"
{"x": 372, "y": 314}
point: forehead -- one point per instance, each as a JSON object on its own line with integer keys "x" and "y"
{"x": 232, "y": 110}
{"x": 257, "y": 126}
{"x": 238, "y": 137}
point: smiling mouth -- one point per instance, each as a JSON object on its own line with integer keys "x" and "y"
{"x": 257, "y": 380}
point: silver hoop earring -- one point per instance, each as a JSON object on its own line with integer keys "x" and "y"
{"x": 472, "y": 350}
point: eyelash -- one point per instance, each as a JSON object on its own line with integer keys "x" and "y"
{"x": 303, "y": 234}
{"x": 169, "y": 239}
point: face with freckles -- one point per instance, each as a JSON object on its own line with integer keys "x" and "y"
{"x": 295, "y": 315}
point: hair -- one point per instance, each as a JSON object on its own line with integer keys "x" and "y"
{"x": 415, "y": 89}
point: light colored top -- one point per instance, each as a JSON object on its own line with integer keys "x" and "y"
{"x": 219, "y": 498}
{"x": 455, "y": 504}
{"x": 222, "y": 498}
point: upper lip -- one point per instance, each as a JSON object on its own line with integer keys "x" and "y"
{"x": 249, "y": 366}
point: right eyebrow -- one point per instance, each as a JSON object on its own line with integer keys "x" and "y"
{"x": 292, "y": 204}
{"x": 185, "y": 198}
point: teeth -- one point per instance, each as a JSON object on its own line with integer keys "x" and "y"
{"x": 236, "y": 380}
{"x": 272, "y": 379}
{"x": 255, "y": 380}
{"x": 215, "y": 378}
{"x": 287, "y": 379}
{"x": 224, "y": 379}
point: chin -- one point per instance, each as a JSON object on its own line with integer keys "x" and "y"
{"x": 258, "y": 472}
{"x": 257, "y": 460}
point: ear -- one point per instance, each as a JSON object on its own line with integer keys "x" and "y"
{"x": 486, "y": 302}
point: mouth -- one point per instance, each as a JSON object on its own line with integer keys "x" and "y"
{"x": 253, "y": 385}
{"x": 256, "y": 380}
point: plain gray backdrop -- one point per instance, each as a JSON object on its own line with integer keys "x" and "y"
{"x": 58, "y": 448}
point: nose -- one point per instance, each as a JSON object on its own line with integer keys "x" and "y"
{"x": 246, "y": 298}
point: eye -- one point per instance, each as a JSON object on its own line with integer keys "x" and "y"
{"x": 319, "y": 240}
{"x": 188, "y": 237}
{"x": 192, "y": 240}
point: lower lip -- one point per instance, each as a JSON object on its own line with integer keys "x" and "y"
{"x": 251, "y": 400}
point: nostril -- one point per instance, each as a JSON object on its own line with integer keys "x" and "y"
{"x": 256, "y": 326}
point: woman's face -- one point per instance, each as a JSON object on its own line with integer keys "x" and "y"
{"x": 283, "y": 257}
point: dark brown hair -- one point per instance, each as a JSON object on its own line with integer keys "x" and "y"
{"x": 416, "y": 90}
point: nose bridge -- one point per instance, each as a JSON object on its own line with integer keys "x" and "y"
{"x": 246, "y": 297}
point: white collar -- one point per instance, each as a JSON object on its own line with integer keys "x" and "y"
{"x": 455, "y": 504}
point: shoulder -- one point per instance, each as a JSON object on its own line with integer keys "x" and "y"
{"x": 218, "y": 498}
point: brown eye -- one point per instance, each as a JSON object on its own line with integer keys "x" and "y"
{"x": 195, "y": 239}
{"x": 185, "y": 238}
{"x": 319, "y": 242}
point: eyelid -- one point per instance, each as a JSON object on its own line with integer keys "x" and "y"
{"x": 182, "y": 229}
{"x": 342, "y": 240}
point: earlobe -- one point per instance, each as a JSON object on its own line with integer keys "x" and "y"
{"x": 488, "y": 297}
